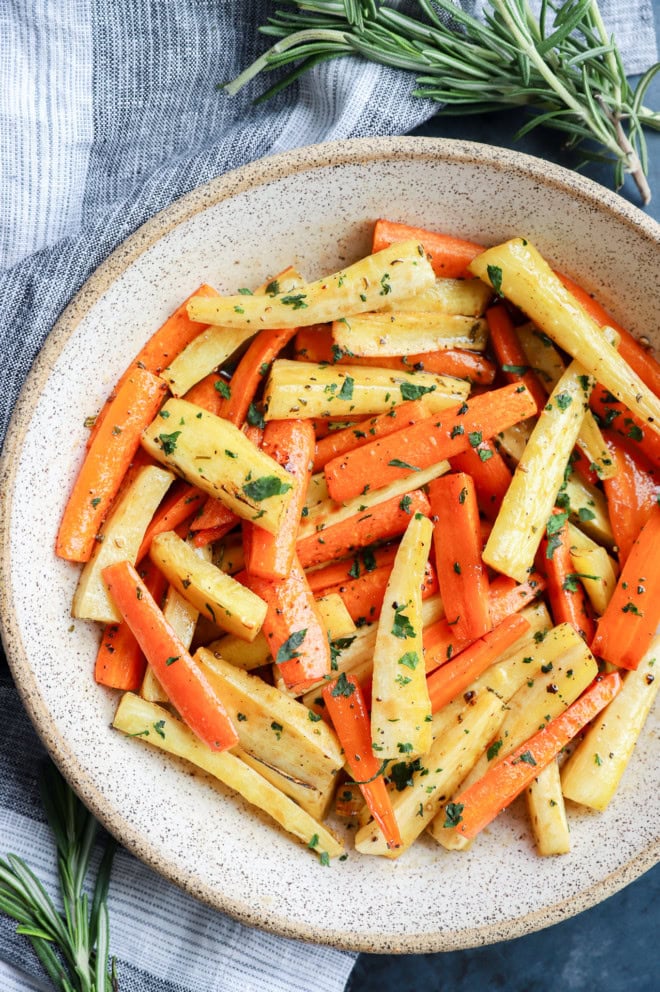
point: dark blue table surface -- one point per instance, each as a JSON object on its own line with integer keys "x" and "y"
{"x": 612, "y": 947}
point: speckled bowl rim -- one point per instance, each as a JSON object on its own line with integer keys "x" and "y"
{"x": 261, "y": 172}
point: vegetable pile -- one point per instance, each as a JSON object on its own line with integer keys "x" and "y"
{"x": 383, "y": 544}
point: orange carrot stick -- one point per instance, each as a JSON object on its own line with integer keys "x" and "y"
{"x": 510, "y": 354}
{"x": 618, "y": 418}
{"x": 338, "y": 442}
{"x": 378, "y": 523}
{"x": 183, "y": 681}
{"x": 450, "y": 679}
{"x": 291, "y": 443}
{"x": 462, "y": 575}
{"x": 316, "y": 344}
{"x": 630, "y": 621}
{"x": 345, "y": 703}
{"x": 177, "y": 507}
{"x": 326, "y": 425}
{"x": 568, "y": 600}
{"x": 214, "y": 514}
{"x": 479, "y": 804}
{"x": 203, "y": 537}
{"x": 120, "y": 662}
{"x": 106, "y": 462}
{"x": 428, "y": 441}
{"x": 207, "y": 394}
{"x": 631, "y": 495}
{"x": 506, "y": 596}
{"x": 490, "y": 474}
{"x": 448, "y": 255}
{"x": 338, "y": 572}
{"x": 162, "y": 347}
{"x": 631, "y": 350}
{"x": 252, "y": 369}
{"x": 293, "y": 627}
{"x": 363, "y": 597}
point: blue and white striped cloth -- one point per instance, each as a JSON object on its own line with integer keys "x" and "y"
{"x": 108, "y": 113}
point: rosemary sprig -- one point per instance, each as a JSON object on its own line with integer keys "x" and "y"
{"x": 563, "y": 66}
{"x": 72, "y": 944}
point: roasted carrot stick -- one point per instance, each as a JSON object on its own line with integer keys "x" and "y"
{"x": 630, "y": 621}
{"x": 106, "y": 462}
{"x": 339, "y": 442}
{"x": 170, "y": 339}
{"x": 462, "y": 575}
{"x": 214, "y": 514}
{"x": 338, "y": 572}
{"x": 378, "y": 523}
{"x": 490, "y": 474}
{"x": 617, "y": 417}
{"x": 448, "y": 255}
{"x": 120, "y": 662}
{"x": 211, "y": 534}
{"x": 568, "y": 600}
{"x": 506, "y": 596}
{"x": 631, "y": 495}
{"x": 510, "y": 354}
{"x": 363, "y": 597}
{"x": 479, "y": 804}
{"x": 428, "y": 441}
{"x": 448, "y": 681}
{"x": 316, "y": 344}
{"x": 291, "y": 443}
{"x": 252, "y": 369}
{"x": 630, "y": 349}
{"x": 207, "y": 393}
{"x": 345, "y": 703}
{"x": 183, "y": 681}
{"x": 177, "y": 507}
{"x": 293, "y": 627}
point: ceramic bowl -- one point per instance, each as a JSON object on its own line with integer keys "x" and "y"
{"x": 314, "y": 208}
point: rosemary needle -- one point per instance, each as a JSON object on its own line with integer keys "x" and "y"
{"x": 72, "y": 944}
{"x": 563, "y": 66}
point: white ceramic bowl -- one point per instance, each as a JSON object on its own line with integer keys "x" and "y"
{"x": 315, "y": 208}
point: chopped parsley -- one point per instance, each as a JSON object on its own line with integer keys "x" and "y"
{"x": 495, "y": 276}
{"x": 526, "y": 758}
{"x": 289, "y": 649}
{"x": 410, "y": 659}
{"x": 265, "y": 487}
{"x": 168, "y": 442}
{"x": 494, "y": 750}
{"x": 342, "y": 687}
{"x": 346, "y": 391}
{"x": 296, "y": 301}
{"x": 223, "y": 388}
{"x": 409, "y": 391}
{"x": 255, "y": 417}
{"x": 453, "y": 811}
{"x": 401, "y": 625}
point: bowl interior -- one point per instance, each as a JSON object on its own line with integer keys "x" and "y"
{"x": 314, "y": 208}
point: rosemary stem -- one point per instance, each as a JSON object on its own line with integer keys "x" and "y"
{"x": 299, "y": 38}
{"x": 632, "y": 158}
{"x": 609, "y": 57}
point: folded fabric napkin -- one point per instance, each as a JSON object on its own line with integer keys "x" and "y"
{"x": 108, "y": 113}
